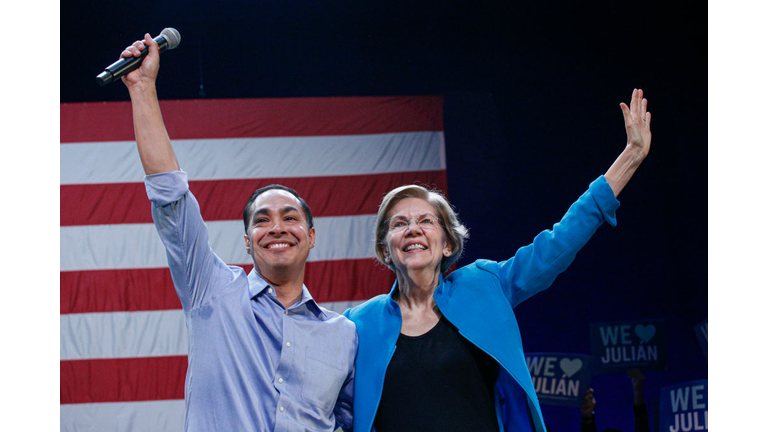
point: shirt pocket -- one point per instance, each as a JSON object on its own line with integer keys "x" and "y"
{"x": 324, "y": 375}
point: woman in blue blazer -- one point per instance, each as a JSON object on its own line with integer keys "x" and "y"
{"x": 444, "y": 353}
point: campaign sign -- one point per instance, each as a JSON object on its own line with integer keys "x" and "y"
{"x": 619, "y": 346}
{"x": 702, "y": 335}
{"x": 560, "y": 379}
{"x": 684, "y": 407}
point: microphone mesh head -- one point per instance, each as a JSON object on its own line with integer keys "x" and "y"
{"x": 172, "y": 36}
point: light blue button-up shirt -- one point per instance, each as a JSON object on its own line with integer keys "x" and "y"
{"x": 253, "y": 364}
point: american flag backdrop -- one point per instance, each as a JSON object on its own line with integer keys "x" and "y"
{"x": 123, "y": 341}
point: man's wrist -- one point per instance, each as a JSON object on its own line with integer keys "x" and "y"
{"x": 142, "y": 89}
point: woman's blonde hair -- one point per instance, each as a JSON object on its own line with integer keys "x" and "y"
{"x": 456, "y": 233}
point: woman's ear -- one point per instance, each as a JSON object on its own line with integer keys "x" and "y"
{"x": 447, "y": 249}
{"x": 385, "y": 254}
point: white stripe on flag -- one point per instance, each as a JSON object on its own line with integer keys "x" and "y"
{"x": 124, "y": 246}
{"x": 161, "y": 415}
{"x": 133, "y": 334}
{"x": 341, "y": 306}
{"x": 281, "y": 157}
{"x": 122, "y": 334}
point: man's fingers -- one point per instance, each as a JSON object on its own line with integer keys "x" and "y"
{"x": 138, "y": 46}
{"x": 133, "y": 50}
{"x": 148, "y": 41}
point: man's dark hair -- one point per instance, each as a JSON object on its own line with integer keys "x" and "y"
{"x": 248, "y": 210}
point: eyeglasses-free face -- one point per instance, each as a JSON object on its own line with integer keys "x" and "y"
{"x": 279, "y": 237}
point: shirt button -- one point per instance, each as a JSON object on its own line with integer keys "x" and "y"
{"x": 285, "y": 312}
{"x": 269, "y": 290}
{"x": 282, "y": 409}
{"x": 287, "y": 344}
{"x": 280, "y": 380}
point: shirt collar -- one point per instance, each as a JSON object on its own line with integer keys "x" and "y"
{"x": 257, "y": 285}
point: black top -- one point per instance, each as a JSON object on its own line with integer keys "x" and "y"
{"x": 438, "y": 381}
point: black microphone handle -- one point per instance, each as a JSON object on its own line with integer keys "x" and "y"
{"x": 125, "y": 65}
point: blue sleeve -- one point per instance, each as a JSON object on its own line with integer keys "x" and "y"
{"x": 344, "y": 404}
{"x": 194, "y": 266}
{"x": 535, "y": 267}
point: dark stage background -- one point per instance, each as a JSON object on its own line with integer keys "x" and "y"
{"x": 532, "y": 92}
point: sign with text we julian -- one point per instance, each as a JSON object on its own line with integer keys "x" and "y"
{"x": 621, "y": 345}
{"x": 684, "y": 407}
{"x": 560, "y": 379}
{"x": 702, "y": 335}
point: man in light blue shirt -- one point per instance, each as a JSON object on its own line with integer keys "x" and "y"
{"x": 263, "y": 356}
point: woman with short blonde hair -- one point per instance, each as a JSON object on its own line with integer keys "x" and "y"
{"x": 442, "y": 351}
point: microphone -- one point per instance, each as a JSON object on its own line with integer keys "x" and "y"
{"x": 169, "y": 38}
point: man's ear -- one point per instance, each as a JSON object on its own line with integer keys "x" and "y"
{"x": 247, "y": 244}
{"x": 312, "y": 237}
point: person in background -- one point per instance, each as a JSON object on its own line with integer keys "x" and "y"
{"x": 638, "y": 406}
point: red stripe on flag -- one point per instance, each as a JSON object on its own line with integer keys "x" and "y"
{"x": 224, "y": 199}
{"x": 122, "y": 380}
{"x": 348, "y": 280}
{"x": 117, "y": 291}
{"x": 152, "y": 289}
{"x": 243, "y": 118}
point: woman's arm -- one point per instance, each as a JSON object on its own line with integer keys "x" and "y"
{"x": 637, "y": 121}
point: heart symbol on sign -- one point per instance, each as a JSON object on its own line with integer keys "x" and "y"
{"x": 570, "y": 367}
{"x": 645, "y": 332}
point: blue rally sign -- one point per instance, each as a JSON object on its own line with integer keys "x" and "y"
{"x": 702, "y": 335}
{"x": 684, "y": 407}
{"x": 560, "y": 379}
{"x": 619, "y": 346}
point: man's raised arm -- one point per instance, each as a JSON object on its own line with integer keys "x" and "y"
{"x": 155, "y": 149}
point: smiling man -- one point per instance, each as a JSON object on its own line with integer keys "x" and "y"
{"x": 279, "y": 233}
{"x": 263, "y": 356}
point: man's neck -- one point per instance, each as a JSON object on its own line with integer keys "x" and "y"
{"x": 288, "y": 297}
{"x": 288, "y": 287}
